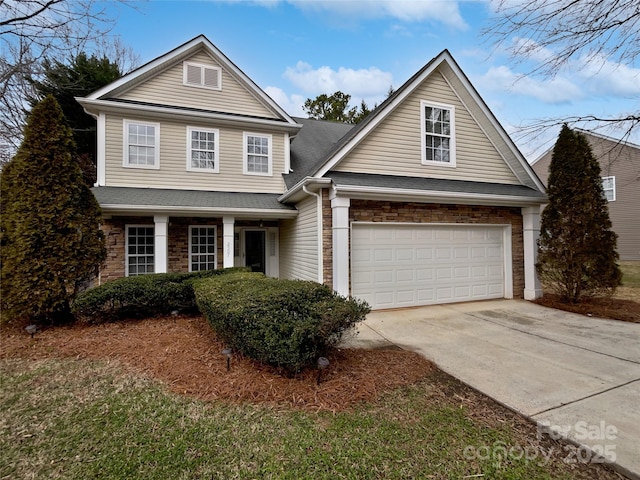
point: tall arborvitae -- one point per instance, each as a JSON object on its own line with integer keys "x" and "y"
{"x": 51, "y": 241}
{"x": 577, "y": 248}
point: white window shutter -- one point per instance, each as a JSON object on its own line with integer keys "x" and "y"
{"x": 194, "y": 75}
{"x": 211, "y": 79}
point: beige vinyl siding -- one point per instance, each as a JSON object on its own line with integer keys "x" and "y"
{"x": 173, "y": 160}
{"x": 299, "y": 243}
{"x": 394, "y": 146}
{"x": 167, "y": 88}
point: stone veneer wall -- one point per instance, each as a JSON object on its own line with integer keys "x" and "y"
{"x": 402, "y": 212}
{"x": 178, "y": 254}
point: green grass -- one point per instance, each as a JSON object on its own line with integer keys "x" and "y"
{"x": 630, "y": 274}
{"x": 88, "y": 420}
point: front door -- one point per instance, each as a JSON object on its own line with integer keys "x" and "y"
{"x": 254, "y": 248}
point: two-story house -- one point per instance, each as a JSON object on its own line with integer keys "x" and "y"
{"x": 426, "y": 201}
{"x": 620, "y": 166}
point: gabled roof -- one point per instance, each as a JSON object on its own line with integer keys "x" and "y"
{"x": 470, "y": 97}
{"x": 184, "y": 51}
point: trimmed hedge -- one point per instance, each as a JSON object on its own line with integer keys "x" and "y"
{"x": 141, "y": 296}
{"x": 285, "y": 323}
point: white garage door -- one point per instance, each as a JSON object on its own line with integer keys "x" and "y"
{"x": 400, "y": 266}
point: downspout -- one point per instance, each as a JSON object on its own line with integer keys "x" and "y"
{"x": 319, "y": 215}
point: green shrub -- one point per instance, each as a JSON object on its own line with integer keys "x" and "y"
{"x": 141, "y": 296}
{"x": 285, "y": 323}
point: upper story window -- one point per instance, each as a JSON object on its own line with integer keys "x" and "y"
{"x": 257, "y": 154}
{"x": 141, "y": 144}
{"x": 203, "y": 76}
{"x": 202, "y": 149}
{"x": 609, "y": 187}
{"x": 438, "y": 134}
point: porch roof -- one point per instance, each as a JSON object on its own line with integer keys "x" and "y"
{"x": 132, "y": 200}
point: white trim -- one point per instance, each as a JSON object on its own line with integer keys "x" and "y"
{"x": 203, "y": 68}
{"x": 612, "y": 189}
{"x": 245, "y": 153}
{"x": 216, "y": 151}
{"x": 508, "y": 260}
{"x": 287, "y": 153}
{"x": 215, "y": 245}
{"x": 452, "y": 134}
{"x": 173, "y": 113}
{"x": 209, "y": 212}
{"x": 228, "y": 239}
{"x": 341, "y": 243}
{"x": 530, "y": 234}
{"x": 126, "y": 245}
{"x": 125, "y": 143}
{"x": 101, "y": 149}
{"x": 161, "y": 238}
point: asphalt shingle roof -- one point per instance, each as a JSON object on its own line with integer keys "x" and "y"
{"x": 431, "y": 184}
{"x": 187, "y": 198}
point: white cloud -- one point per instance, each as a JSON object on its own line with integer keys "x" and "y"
{"x": 370, "y": 82}
{"x": 443, "y": 11}
{"x": 556, "y": 90}
{"x": 604, "y": 77}
{"x": 291, "y": 104}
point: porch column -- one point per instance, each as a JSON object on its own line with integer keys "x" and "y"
{"x": 161, "y": 246}
{"x": 340, "y": 221}
{"x": 530, "y": 234}
{"x": 227, "y": 241}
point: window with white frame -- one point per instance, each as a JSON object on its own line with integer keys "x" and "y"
{"x": 203, "y": 76}
{"x": 609, "y": 187}
{"x": 140, "y": 246}
{"x": 141, "y": 144}
{"x": 257, "y": 154}
{"x": 202, "y": 248}
{"x": 202, "y": 149}
{"x": 438, "y": 134}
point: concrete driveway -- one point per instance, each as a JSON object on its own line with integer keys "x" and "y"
{"x": 579, "y": 375}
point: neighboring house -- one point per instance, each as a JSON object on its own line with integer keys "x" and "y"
{"x": 426, "y": 201}
{"x": 620, "y": 165}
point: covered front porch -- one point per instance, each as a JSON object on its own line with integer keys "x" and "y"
{"x": 159, "y": 231}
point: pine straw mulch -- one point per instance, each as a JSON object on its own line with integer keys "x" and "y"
{"x": 184, "y": 353}
{"x": 614, "y": 308}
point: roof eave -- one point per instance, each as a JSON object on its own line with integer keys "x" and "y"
{"x": 180, "y": 211}
{"x": 434, "y": 196}
{"x": 93, "y": 107}
{"x": 296, "y": 193}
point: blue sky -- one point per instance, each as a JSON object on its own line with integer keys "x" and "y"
{"x": 298, "y": 49}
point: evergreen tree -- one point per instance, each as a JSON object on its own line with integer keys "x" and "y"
{"x": 82, "y": 76}
{"x": 577, "y": 248}
{"x": 49, "y": 223}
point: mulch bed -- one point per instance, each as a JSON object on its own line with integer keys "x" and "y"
{"x": 184, "y": 353}
{"x": 604, "y": 307}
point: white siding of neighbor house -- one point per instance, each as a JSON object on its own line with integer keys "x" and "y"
{"x": 167, "y": 88}
{"x": 299, "y": 243}
{"x": 173, "y": 160}
{"x": 394, "y": 146}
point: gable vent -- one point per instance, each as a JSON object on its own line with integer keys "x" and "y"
{"x": 198, "y": 75}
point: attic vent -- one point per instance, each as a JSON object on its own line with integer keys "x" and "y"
{"x": 203, "y": 76}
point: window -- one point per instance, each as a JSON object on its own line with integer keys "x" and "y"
{"x": 257, "y": 150}
{"x": 141, "y": 144}
{"x": 202, "y": 149}
{"x": 609, "y": 187}
{"x": 203, "y": 76}
{"x": 140, "y": 250}
{"x": 438, "y": 140}
{"x": 202, "y": 248}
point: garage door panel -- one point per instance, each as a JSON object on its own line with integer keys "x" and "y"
{"x": 396, "y": 265}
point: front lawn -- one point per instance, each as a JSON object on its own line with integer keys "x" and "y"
{"x": 83, "y": 402}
